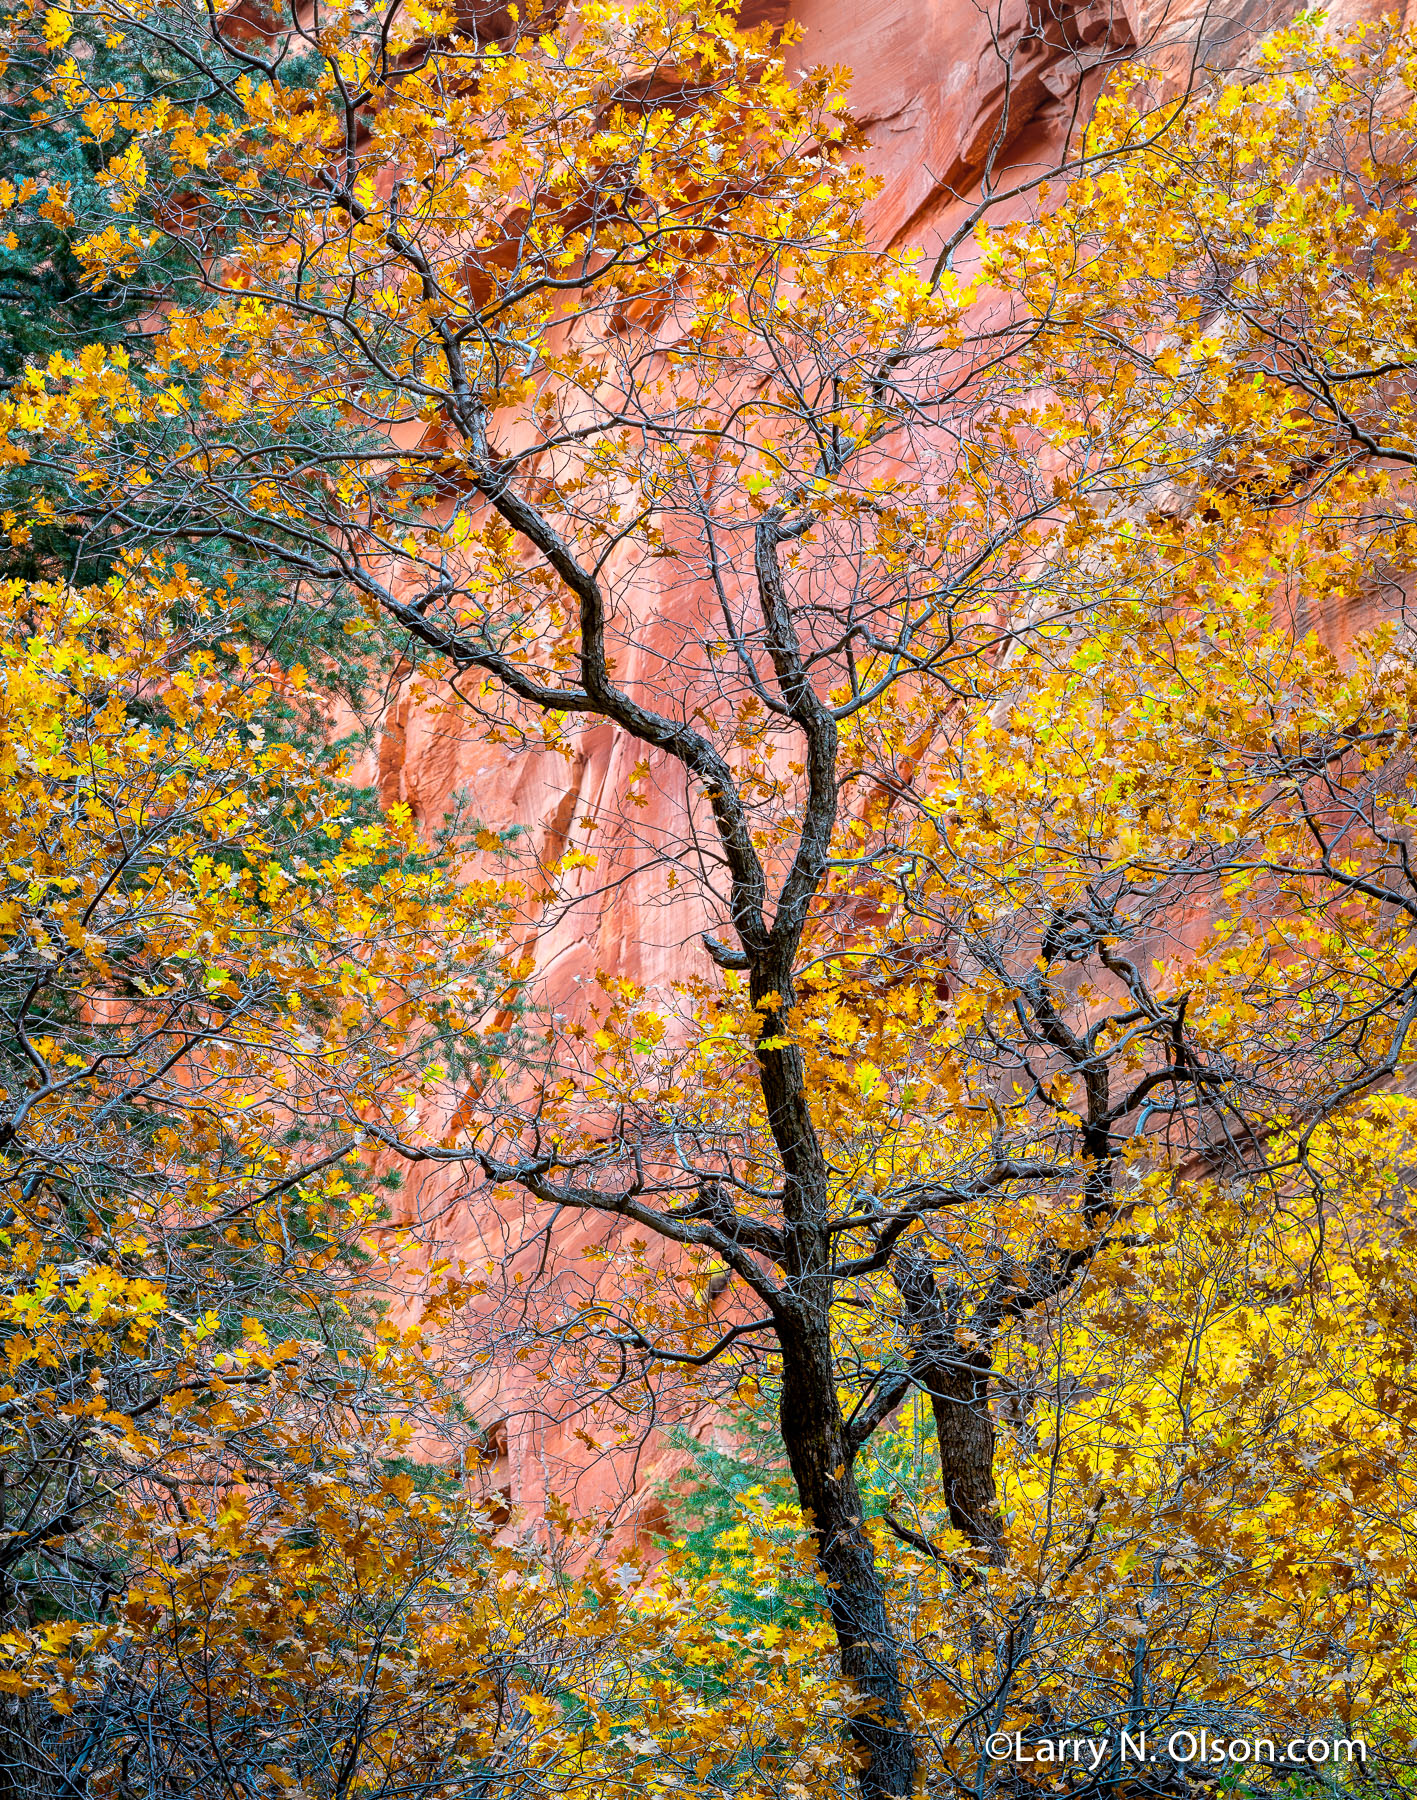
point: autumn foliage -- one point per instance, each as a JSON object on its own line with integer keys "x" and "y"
{"x": 1017, "y": 1172}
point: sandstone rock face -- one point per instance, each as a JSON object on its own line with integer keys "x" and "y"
{"x": 928, "y": 86}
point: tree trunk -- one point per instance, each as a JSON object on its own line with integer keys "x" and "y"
{"x": 964, "y": 1429}
{"x": 813, "y": 1429}
{"x": 814, "y": 1435}
{"x": 956, "y": 1377}
{"x": 25, "y": 1773}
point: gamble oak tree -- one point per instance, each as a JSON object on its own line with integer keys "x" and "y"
{"x": 992, "y": 980}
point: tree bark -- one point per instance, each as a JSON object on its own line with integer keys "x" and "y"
{"x": 956, "y": 1377}
{"x": 964, "y": 1430}
{"x": 813, "y": 1428}
{"x": 25, "y": 1773}
{"x": 814, "y": 1435}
